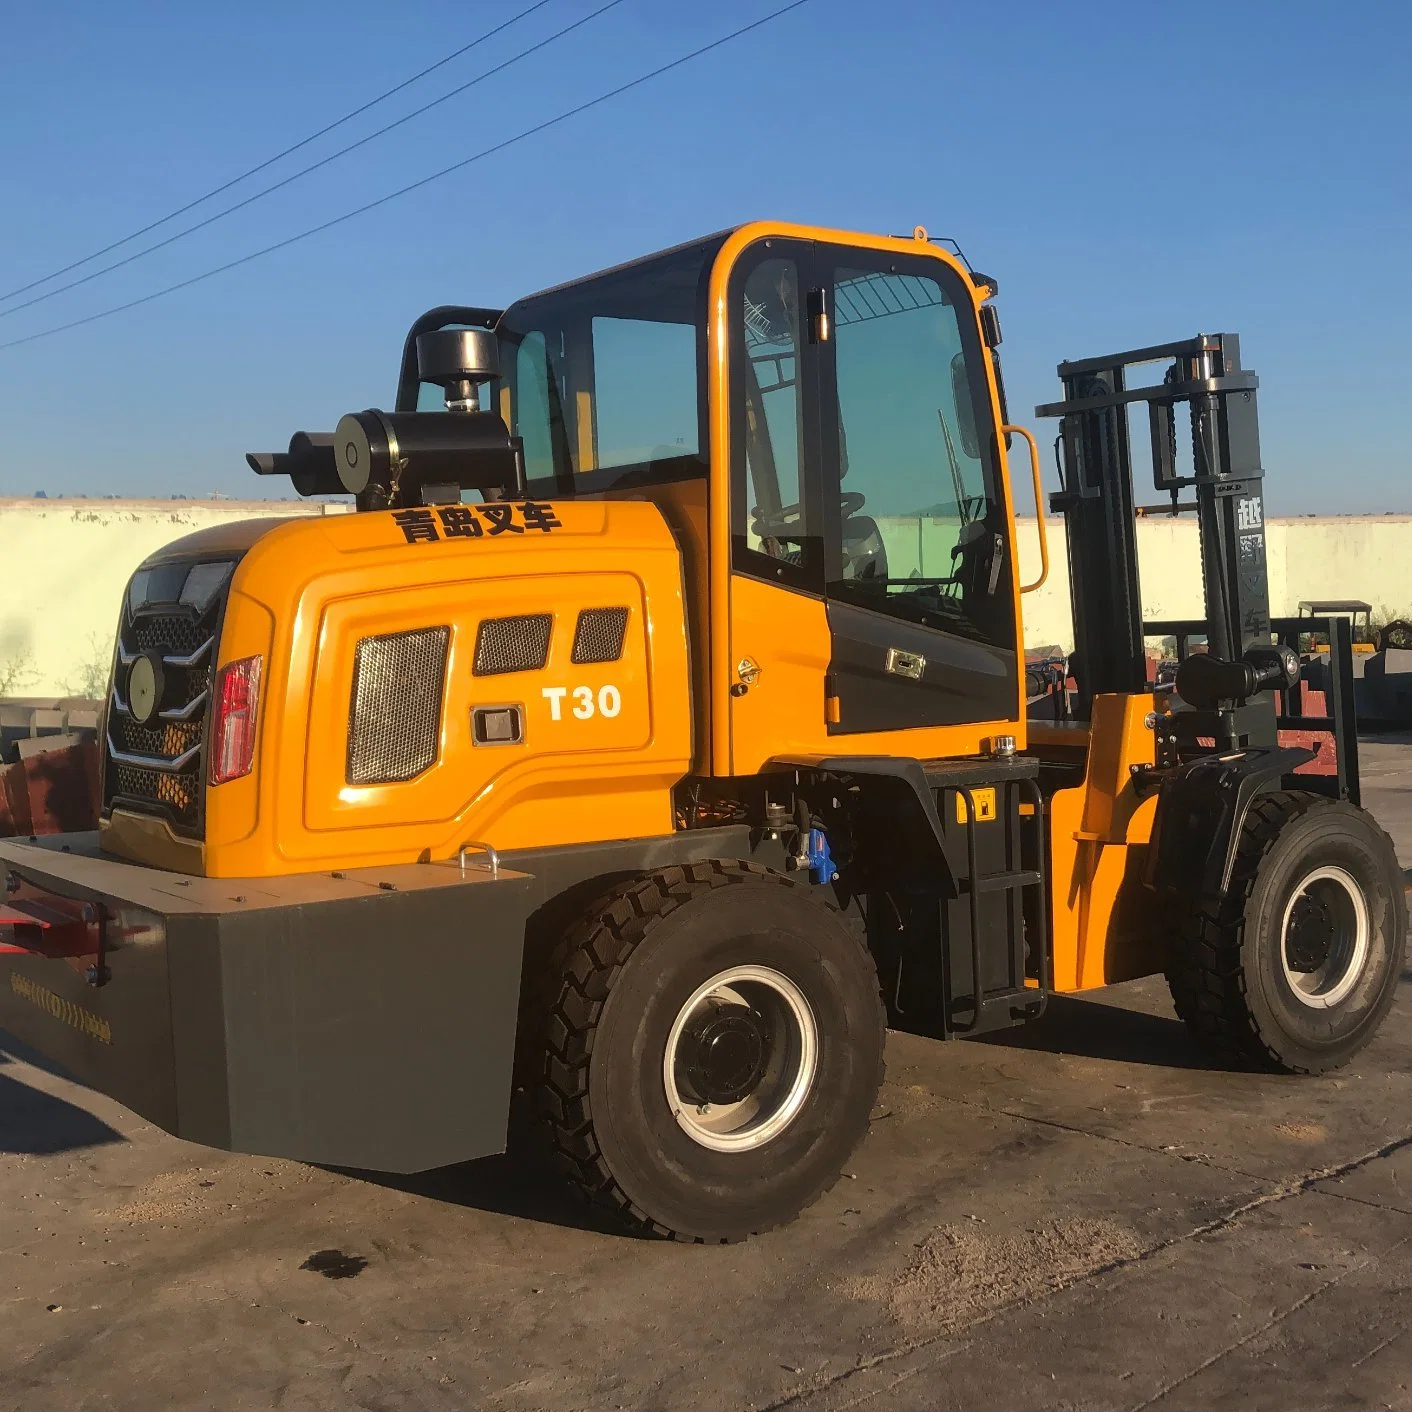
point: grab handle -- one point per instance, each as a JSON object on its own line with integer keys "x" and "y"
{"x": 1038, "y": 508}
{"x": 491, "y": 856}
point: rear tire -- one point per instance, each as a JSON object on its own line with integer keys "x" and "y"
{"x": 713, "y": 1051}
{"x": 1296, "y": 966}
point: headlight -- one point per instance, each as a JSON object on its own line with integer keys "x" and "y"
{"x": 203, "y": 583}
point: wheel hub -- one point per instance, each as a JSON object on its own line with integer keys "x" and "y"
{"x": 1325, "y": 938}
{"x": 724, "y": 1051}
{"x": 1311, "y": 935}
{"x": 741, "y": 1058}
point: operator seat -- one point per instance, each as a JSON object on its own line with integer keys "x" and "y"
{"x": 970, "y": 562}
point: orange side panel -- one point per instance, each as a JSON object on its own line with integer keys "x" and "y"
{"x": 603, "y": 743}
{"x": 1105, "y": 926}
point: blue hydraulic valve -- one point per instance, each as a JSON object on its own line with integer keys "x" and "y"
{"x": 821, "y": 868}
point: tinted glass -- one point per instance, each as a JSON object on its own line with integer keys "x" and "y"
{"x": 773, "y": 511}
{"x": 919, "y": 509}
{"x": 605, "y": 376}
{"x": 645, "y": 391}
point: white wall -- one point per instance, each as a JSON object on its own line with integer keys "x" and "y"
{"x": 1366, "y": 557}
{"x": 64, "y": 563}
{"x": 63, "y": 567}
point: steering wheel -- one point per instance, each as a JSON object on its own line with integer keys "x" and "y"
{"x": 784, "y": 522}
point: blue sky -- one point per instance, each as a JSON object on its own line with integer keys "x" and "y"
{"x": 1130, "y": 173}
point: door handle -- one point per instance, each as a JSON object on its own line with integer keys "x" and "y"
{"x": 905, "y": 664}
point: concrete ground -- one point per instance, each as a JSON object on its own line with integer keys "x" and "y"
{"x": 1081, "y": 1214}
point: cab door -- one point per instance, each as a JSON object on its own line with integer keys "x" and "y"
{"x": 919, "y": 586}
{"x": 871, "y": 589}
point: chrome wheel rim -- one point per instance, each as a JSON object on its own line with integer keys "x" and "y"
{"x": 741, "y": 1057}
{"x": 1325, "y": 937}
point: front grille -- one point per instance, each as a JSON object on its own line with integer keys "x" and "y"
{"x": 181, "y": 794}
{"x": 138, "y": 756}
{"x": 394, "y": 718}
{"x": 175, "y": 636}
{"x": 598, "y": 635}
{"x": 518, "y": 644}
{"x": 165, "y": 741}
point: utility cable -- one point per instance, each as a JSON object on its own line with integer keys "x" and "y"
{"x": 416, "y": 185}
{"x": 312, "y": 167}
{"x": 280, "y": 156}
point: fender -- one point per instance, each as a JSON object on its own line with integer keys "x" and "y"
{"x": 1201, "y": 807}
{"x": 904, "y": 779}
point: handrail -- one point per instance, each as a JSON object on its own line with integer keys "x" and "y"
{"x": 1038, "y": 508}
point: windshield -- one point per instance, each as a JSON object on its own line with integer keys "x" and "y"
{"x": 603, "y": 379}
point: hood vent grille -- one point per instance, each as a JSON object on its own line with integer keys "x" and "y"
{"x": 598, "y": 635}
{"x": 512, "y": 644}
{"x": 394, "y": 719}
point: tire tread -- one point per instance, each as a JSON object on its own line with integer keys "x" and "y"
{"x": 1207, "y": 976}
{"x": 587, "y": 963}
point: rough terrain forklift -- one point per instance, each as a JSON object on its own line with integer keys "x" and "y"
{"x": 653, "y": 736}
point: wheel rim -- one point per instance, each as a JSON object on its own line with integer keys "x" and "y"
{"x": 1324, "y": 937}
{"x": 741, "y": 1058}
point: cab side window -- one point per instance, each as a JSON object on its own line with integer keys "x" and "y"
{"x": 922, "y": 522}
{"x": 774, "y": 527}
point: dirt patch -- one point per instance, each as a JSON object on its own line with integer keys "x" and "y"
{"x": 1302, "y": 1132}
{"x": 962, "y": 1273}
{"x": 192, "y": 1192}
{"x": 905, "y": 1102}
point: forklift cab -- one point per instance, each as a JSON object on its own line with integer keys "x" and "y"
{"x": 834, "y": 401}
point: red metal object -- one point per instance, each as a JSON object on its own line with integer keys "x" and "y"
{"x": 1314, "y": 703}
{"x": 56, "y": 792}
{"x": 34, "y": 922}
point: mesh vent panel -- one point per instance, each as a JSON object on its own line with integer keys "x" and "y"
{"x": 167, "y": 740}
{"x": 512, "y": 644}
{"x": 178, "y": 798}
{"x": 599, "y": 633}
{"x": 180, "y": 793}
{"x": 394, "y": 725}
{"x": 179, "y": 636}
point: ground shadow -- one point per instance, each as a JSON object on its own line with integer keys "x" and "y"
{"x": 38, "y": 1124}
{"x": 1093, "y": 1029}
{"x": 520, "y": 1182}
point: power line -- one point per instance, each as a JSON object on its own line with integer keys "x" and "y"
{"x": 416, "y": 185}
{"x": 312, "y": 167}
{"x": 280, "y": 156}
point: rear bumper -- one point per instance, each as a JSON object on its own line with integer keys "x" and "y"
{"x": 366, "y": 1020}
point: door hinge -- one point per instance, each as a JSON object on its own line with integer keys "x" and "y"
{"x": 820, "y": 324}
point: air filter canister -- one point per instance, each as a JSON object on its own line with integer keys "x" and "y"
{"x": 399, "y": 452}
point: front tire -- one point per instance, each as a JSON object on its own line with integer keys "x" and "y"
{"x": 1296, "y": 966}
{"x": 713, "y": 1051}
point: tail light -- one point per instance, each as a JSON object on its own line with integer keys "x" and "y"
{"x": 233, "y": 726}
